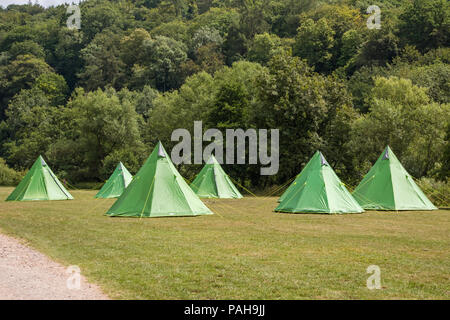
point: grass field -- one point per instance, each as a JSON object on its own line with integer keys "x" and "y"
{"x": 244, "y": 251}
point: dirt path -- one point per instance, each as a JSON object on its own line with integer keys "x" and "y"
{"x": 28, "y": 274}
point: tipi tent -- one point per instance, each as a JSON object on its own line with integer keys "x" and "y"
{"x": 213, "y": 182}
{"x": 388, "y": 186}
{"x": 116, "y": 183}
{"x": 317, "y": 189}
{"x": 40, "y": 183}
{"x": 158, "y": 190}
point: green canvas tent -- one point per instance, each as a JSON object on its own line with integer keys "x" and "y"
{"x": 388, "y": 186}
{"x": 213, "y": 182}
{"x": 317, "y": 189}
{"x": 116, "y": 183}
{"x": 40, "y": 183}
{"x": 158, "y": 190}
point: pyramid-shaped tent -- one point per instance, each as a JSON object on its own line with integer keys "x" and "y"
{"x": 213, "y": 182}
{"x": 116, "y": 183}
{"x": 388, "y": 186}
{"x": 317, "y": 189}
{"x": 158, "y": 190}
{"x": 40, "y": 183}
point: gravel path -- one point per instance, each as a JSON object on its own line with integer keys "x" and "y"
{"x": 26, "y": 274}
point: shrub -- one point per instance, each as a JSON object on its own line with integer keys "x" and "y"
{"x": 437, "y": 191}
{"x": 8, "y": 176}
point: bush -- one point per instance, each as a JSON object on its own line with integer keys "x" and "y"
{"x": 437, "y": 191}
{"x": 8, "y": 176}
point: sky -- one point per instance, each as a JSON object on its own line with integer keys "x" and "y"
{"x": 45, "y": 3}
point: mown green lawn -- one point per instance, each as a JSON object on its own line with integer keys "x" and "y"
{"x": 244, "y": 251}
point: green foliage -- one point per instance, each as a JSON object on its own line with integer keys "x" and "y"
{"x": 152, "y": 66}
{"x": 161, "y": 65}
{"x": 402, "y": 116}
{"x": 235, "y": 90}
{"x": 444, "y": 173}
{"x": 26, "y": 47}
{"x": 19, "y": 74}
{"x": 265, "y": 46}
{"x": 102, "y": 63}
{"x": 176, "y": 30}
{"x": 209, "y": 58}
{"x": 204, "y": 36}
{"x": 179, "y": 109}
{"x": 426, "y": 24}
{"x": 437, "y": 191}
{"x": 314, "y": 43}
{"x": 8, "y": 176}
{"x": 379, "y": 49}
{"x": 101, "y": 124}
{"x": 54, "y": 86}
{"x": 290, "y": 98}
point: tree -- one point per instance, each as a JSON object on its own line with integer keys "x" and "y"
{"x": 192, "y": 10}
{"x": 314, "y": 42}
{"x": 101, "y": 124}
{"x": 161, "y": 65}
{"x": 265, "y": 46}
{"x": 204, "y": 36}
{"x": 176, "y": 30}
{"x": 350, "y": 44}
{"x": 290, "y": 98}
{"x": 234, "y": 46}
{"x": 209, "y": 58}
{"x": 26, "y": 47}
{"x": 132, "y": 50}
{"x": 31, "y": 125}
{"x": 66, "y": 57}
{"x": 102, "y": 63}
{"x": 445, "y": 170}
{"x": 235, "y": 91}
{"x": 287, "y": 15}
{"x": 426, "y": 24}
{"x": 54, "y": 86}
{"x": 403, "y": 117}
{"x": 381, "y": 47}
{"x": 220, "y": 19}
{"x": 336, "y": 126}
{"x": 341, "y": 19}
{"x": 102, "y": 15}
{"x": 180, "y": 108}
{"x": 143, "y": 100}
{"x": 254, "y": 17}
{"x": 19, "y": 74}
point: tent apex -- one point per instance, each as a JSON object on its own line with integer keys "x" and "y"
{"x": 161, "y": 151}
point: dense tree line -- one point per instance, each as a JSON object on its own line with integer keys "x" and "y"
{"x": 137, "y": 70}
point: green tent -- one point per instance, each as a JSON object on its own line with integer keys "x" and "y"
{"x": 317, "y": 189}
{"x": 213, "y": 182}
{"x": 116, "y": 183}
{"x": 40, "y": 183}
{"x": 158, "y": 190}
{"x": 388, "y": 186}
